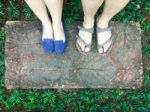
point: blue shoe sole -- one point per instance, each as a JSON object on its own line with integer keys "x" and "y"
{"x": 48, "y": 45}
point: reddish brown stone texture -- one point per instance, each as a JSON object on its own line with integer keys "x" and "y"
{"x": 27, "y": 66}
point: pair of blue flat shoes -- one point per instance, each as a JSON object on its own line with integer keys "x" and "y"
{"x": 50, "y": 45}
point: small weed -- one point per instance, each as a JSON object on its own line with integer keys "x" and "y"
{"x": 13, "y": 10}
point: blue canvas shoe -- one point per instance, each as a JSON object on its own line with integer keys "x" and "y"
{"x": 48, "y": 45}
{"x": 60, "y": 45}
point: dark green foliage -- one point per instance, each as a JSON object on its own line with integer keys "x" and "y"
{"x": 27, "y": 12}
{"x": 146, "y": 50}
{"x": 146, "y": 26}
{"x": 1, "y": 9}
{"x": 132, "y": 12}
{"x": 147, "y": 77}
{"x": 2, "y": 35}
{"x": 14, "y": 98}
{"x": 91, "y": 100}
{"x": 13, "y": 10}
{"x": 72, "y": 10}
{"x": 1, "y": 12}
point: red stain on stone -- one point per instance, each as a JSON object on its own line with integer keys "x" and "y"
{"x": 112, "y": 58}
{"x": 123, "y": 75}
{"x": 128, "y": 75}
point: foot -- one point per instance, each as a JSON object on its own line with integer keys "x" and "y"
{"x": 60, "y": 41}
{"x": 103, "y": 36}
{"x": 47, "y": 38}
{"x": 59, "y": 33}
{"x": 86, "y": 36}
{"x": 47, "y": 31}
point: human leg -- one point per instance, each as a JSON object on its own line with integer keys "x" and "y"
{"x": 90, "y": 8}
{"x": 111, "y": 8}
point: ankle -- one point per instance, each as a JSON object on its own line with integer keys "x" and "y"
{"x": 47, "y": 24}
{"x": 57, "y": 23}
{"x": 58, "y": 31}
{"x": 103, "y": 23}
{"x": 57, "y": 26}
{"x": 88, "y": 22}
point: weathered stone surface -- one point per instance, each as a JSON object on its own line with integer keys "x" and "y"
{"x": 27, "y": 66}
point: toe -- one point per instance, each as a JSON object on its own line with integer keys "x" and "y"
{"x": 87, "y": 49}
{"x": 106, "y": 47}
{"x": 100, "y": 50}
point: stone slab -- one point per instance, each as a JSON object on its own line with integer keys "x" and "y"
{"x": 27, "y": 66}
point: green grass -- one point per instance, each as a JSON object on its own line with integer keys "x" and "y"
{"x": 92, "y": 100}
{"x": 13, "y": 10}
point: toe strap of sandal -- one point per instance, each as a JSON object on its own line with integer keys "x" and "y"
{"x": 86, "y": 44}
{"x": 90, "y": 30}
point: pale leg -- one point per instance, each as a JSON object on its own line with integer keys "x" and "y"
{"x": 90, "y": 8}
{"x": 39, "y": 9}
{"x": 55, "y": 8}
{"x": 112, "y": 7}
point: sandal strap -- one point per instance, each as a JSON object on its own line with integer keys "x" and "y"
{"x": 80, "y": 39}
{"x": 90, "y": 30}
{"x": 99, "y": 29}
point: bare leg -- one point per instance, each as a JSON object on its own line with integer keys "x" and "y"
{"x": 40, "y": 11}
{"x": 55, "y": 9}
{"x": 90, "y": 8}
{"x": 112, "y": 7}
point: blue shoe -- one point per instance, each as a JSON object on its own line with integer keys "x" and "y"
{"x": 48, "y": 45}
{"x": 60, "y": 45}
